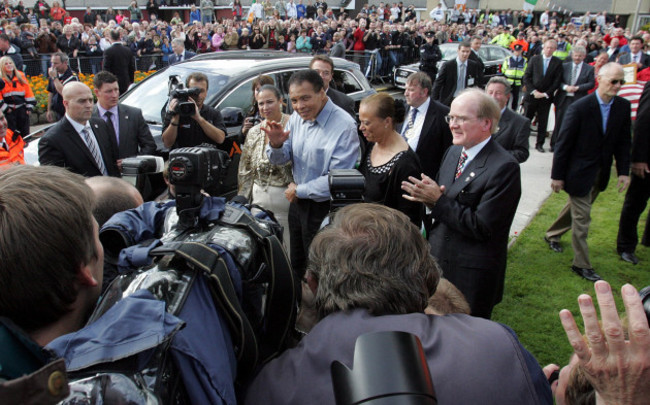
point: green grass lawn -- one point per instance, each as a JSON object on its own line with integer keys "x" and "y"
{"x": 539, "y": 282}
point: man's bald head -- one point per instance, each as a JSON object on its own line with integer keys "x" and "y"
{"x": 78, "y": 101}
{"x": 112, "y": 195}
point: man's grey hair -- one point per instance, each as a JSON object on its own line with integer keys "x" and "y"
{"x": 178, "y": 41}
{"x": 579, "y": 49}
{"x": 500, "y": 80}
{"x": 62, "y": 56}
{"x": 372, "y": 257}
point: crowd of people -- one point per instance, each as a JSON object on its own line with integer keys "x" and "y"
{"x": 444, "y": 164}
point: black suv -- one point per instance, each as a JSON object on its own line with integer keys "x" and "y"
{"x": 230, "y": 76}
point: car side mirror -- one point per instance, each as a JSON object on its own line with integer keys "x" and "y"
{"x": 232, "y": 116}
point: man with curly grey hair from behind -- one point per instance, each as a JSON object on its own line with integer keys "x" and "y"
{"x": 371, "y": 271}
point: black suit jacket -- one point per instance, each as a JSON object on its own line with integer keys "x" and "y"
{"x": 472, "y": 222}
{"x": 62, "y": 146}
{"x": 119, "y": 60}
{"x": 173, "y": 58}
{"x": 444, "y": 86}
{"x": 513, "y": 134}
{"x": 583, "y": 150}
{"x": 585, "y": 82}
{"x": 474, "y": 56}
{"x": 535, "y": 79}
{"x": 135, "y": 136}
{"x": 626, "y": 58}
{"x": 435, "y": 138}
{"x": 342, "y": 100}
{"x": 641, "y": 142}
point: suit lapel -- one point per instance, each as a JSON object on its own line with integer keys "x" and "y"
{"x": 612, "y": 114}
{"x": 472, "y": 171}
{"x": 105, "y": 140}
{"x": 426, "y": 125}
{"x": 448, "y": 167}
{"x": 505, "y": 118}
{"x": 595, "y": 110}
{"x": 123, "y": 125}
{"x": 74, "y": 136}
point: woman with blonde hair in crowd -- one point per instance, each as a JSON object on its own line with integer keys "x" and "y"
{"x": 261, "y": 182}
{"x": 17, "y": 97}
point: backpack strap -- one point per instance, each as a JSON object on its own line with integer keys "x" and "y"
{"x": 201, "y": 257}
{"x": 284, "y": 290}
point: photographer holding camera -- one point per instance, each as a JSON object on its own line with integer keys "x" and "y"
{"x": 183, "y": 127}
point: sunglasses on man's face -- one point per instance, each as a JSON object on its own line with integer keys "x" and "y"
{"x": 617, "y": 81}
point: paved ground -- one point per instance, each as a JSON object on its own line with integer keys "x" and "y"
{"x": 536, "y": 188}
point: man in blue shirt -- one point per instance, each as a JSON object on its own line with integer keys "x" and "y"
{"x": 301, "y": 9}
{"x": 595, "y": 129}
{"x": 318, "y": 138}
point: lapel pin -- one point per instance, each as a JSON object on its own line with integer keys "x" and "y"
{"x": 472, "y": 174}
{"x": 126, "y": 117}
{"x": 467, "y": 179}
{"x": 96, "y": 126}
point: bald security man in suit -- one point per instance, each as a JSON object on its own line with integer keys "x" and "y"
{"x": 78, "y": 142}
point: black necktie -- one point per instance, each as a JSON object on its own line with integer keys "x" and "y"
{"x": 108, "y": 117}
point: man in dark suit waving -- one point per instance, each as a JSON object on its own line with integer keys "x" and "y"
{"x": 78, "y": 142}
{"x": 595, "y": 129}
{"x": 577, "y": 79}
{"x": 472, "y": 203}
{"x": 425, "y": 128}
{"x": 456, "y": 75}
{"x": 514, "y": 130}
{"x": 131, "y": 135}
{"x": 119, "y": 60}
{"x": 542, "y": 77}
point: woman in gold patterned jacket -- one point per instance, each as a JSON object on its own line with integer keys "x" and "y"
{"x": 261, "y": 182}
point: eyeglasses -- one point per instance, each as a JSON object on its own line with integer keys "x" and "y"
{"x": 619, "y": 81}
{"x": 460, "y": 120}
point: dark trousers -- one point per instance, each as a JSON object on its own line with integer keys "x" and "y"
{"x": 636, "y": 200}
{"x": 560, "y": 110}
{"x": 305, "y": 218}
{"x": 541, "y": 107}
{"x": 515, "y": 97}
{"x": 18, "y": 120}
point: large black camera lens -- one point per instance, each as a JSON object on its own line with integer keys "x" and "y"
{"x": 186, "y": 109}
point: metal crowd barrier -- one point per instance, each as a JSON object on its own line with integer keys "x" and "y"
{"x": 377, "y": 65}
{"x": 90, "y": 64}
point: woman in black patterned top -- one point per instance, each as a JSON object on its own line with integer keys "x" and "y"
{"x": 388, "y": 160}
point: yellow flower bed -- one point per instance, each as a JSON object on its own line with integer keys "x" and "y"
{"x": 39, "y": 86}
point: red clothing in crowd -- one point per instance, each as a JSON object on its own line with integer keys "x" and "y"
{"x": 358, "y": 40}
{"x": 14, "y": 152}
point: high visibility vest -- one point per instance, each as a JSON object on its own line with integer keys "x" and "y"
{"x": 15, "y": 154}
{"x": 514, "y": 70}
{"x": 562, "y": 51}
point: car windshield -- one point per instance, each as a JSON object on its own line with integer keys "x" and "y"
{"x": 151, "y": 95}
{"x": 449, "y": 51}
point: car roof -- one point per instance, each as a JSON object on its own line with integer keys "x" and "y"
{"x": 238, "y": 61}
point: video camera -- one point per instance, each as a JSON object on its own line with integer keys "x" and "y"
{"x": 177, "y": 90}
{"x": 346, "y": 187}
{"x": 192, "y": 170}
